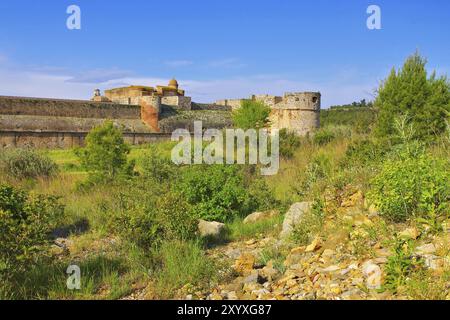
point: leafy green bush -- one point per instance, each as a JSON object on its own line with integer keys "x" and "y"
{"x": 25, "y": 164}
{"x": 400, "y": 265}
{"x": 105, "y": 154}
{"x": 251, "y": 115}
{"x": 216, "y": 192}
{"x": 146, "y": 218}
{"x": 289, "y": 142}
{"x": 260, "y": 196}
{"x": 25, "y": 224}
{"x": 319, "y": 168}
{"x": 312, "y": 222}
{"x": 412, "y": 187}
{"x": 410, "y": 91}
{"x": 323, "y": 136}
{"x": 175, "y": 216}
{"x": 158, "y": 168}
{"x": 367, "y": 151}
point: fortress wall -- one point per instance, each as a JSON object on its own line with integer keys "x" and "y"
{"x": 64, "y": 140}
{"x": 207, "y": 106}
{"x": 297, "y": 112}
{"x": 177, "y": 102}
{"x": 63, "y": 124}
{"x": 232, "y": 103}
{"x": 268, "y": 100}
{"x": 299, "y": 121}
{"x": 67, "y": 108}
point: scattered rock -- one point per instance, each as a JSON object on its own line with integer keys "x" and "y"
{"x": 328, "y": 253}
{"x": 254, "y": 277}
{"x": 425, "y": 249}
{"x": 63, "y": 243}
{"x": 298, "y": 250}
{"x": 315, "y": 245}
{"x": 383, "y": 253}
{"x": 373, "y": 275}
{"x": 232, "y": 296}
{"x": 410, "y": 233}
{"x": 211, "y": 229}
{"x": 354, "y": 200}
{"x": 269, "y": 272}
{"x": 245, "y": 263}
{"x": 258, "y": 216}
{"x": 380, "y": 260}
{"x": 293, "y": 217}
{"x": 331, "y": 269}
{"x": 233, "y": 253}
{"x": 434, "y": 263}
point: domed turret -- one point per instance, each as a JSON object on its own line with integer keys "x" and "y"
{"x": 173, "y": 83}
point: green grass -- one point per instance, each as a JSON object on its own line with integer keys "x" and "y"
{"x": 240, "y": 231}
{"x": 183, "y": 263}
{"x": 274, "y": 255}
{"x": 112, "y": 273}
{"x": 102, "y": 277}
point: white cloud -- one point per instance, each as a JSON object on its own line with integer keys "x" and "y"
{"x": 99, "y": 75}
{"x": 59, "y": 83}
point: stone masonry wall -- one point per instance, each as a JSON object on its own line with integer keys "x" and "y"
{"x": 177, "y": 102}
{"x": 67, "y": 108}
{"x": 52, "y": 140}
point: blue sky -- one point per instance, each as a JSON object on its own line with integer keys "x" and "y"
{"x": 216, "y": 49}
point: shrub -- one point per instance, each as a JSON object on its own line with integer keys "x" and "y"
{"x": 25, "y": 164}
{"x": 311, "y": 224}
{"x": 319, "y": 168}
{"x": 260, "y": 196}
{"x": 158, "y": 168}
{"x": 176, "y": 218}
{"x": 147, "y": 219}
{"x": 367, "y": 151}
{"x": 216, "y": 192}
{"x": 412, "y": 186}
{"x": 409, "y": 91}
{"x": 25, "y": 224}
{"x": 400, "y": 265}
{"x": 105, "y": 154}
{"x": 289, "y": 142}
{"x": 323, "y": 136}
{"x": 251, "y": 115}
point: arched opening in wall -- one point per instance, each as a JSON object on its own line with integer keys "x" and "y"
{"x": 314, "y": 99}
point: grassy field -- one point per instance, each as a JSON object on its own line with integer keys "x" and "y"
{"x": 115, "y": 267}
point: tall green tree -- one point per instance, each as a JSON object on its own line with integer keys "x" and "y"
{"x": 410, "y": 92}
{"x": 106, "y": 152}
{"x": 251, "y": 115}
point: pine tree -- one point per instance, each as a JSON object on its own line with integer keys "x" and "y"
{"x": 410, "y": 92}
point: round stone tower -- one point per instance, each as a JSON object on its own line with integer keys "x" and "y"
{"x": 298, "y": 112}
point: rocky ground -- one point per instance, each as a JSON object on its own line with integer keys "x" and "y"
{"x": 345, "y": 261}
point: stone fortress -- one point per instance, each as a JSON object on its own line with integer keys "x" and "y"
{"x": 145, "y": 114}
{"x": 297, "y": 112}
